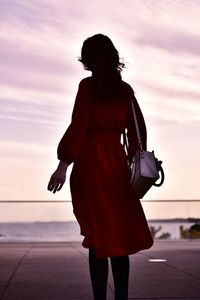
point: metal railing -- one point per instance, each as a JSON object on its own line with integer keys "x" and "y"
{"x": 154, "y": 209}
{"x": 63, "y": 201}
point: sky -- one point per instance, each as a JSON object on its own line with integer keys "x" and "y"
{"x": 159, "y": 41}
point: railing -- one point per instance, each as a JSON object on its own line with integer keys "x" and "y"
{"x": 154, "y": 209}
{"x": 49, "y": 201}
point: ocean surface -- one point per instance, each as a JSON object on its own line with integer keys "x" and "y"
{"x": 70, "y": 231}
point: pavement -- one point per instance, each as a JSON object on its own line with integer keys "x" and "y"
{"x": 59, "y": 271}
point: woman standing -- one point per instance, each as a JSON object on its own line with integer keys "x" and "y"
{"x": 106, "y": 207}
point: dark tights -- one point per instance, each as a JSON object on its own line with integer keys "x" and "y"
{"x": 99, "y": 275}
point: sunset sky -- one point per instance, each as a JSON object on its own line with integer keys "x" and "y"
{"x": 41, "y": 40}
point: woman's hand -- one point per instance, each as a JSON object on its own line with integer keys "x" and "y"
{"x": 58, "y": 178}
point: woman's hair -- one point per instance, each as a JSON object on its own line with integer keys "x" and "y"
{"x": 99, "y": 56}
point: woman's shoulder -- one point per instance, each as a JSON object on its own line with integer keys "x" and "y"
{"x": 126, "y": 85}
{"x": 85, "y": 85}
{"x": 127, "y": 88}
{"x": 85, "y": 81}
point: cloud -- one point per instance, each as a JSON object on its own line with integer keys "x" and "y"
{"x": 12, "y": 55}
{"x": 173, "y": 92}
{"x": 38, "y": 97}
{"x": 24, "y": 147}
{"x": 32, "y": 13}
{"x": 170, "y": 105}
{"x": 171, "y": 40}
{"x": 35, "y": 50}
{"x": 37, "y": 81}
{"x": 35, "y": 121}
{"x": 35, "y": 67}
{"x": 14, "y": 153}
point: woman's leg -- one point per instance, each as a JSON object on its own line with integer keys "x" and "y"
{"x": 120, "y": 269}
{"x": 99, "y": 275}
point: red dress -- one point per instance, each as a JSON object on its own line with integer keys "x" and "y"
{"x": 106, "y": 207}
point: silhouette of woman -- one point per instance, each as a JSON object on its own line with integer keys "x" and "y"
{"x": 106, "y": 207}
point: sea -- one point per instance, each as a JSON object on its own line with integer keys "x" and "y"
{"x": 70, "y": 231}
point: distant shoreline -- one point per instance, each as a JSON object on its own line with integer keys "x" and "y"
{"x": 173, "y": 220}
{"x": 176, "y": 220}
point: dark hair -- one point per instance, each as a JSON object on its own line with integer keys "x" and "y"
{"x": 99, "y": 56}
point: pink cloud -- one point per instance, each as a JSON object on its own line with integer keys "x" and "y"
{"x": 171, "y": 40}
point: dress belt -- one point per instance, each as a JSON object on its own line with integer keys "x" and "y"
{"x": 116, "y": 136}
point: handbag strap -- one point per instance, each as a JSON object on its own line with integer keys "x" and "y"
{"x": 162, "y": 174}
{"x": 136, "y": 126}
{"x": 125, "y": 142}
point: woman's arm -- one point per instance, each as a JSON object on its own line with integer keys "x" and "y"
{"x": 72, "y": 140}
{"x": 62, "y": 165}
{"x": 70, "y": 145}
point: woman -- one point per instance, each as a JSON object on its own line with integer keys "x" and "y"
{"x": 106, "y": 207}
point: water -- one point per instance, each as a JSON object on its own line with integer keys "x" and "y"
{"x": 40, "y": 231}
{"x": 68, "y": 231}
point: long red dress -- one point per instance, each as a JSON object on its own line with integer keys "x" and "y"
{"x": 106, "y": 207}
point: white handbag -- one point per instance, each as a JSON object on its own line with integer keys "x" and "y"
{"x": 145, "y": 168}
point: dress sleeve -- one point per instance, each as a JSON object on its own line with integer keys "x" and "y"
{"x": 131, "y": 130}
{"x": 70, "y": 144}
